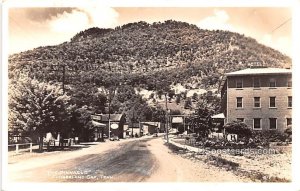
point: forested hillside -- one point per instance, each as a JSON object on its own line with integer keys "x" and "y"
{"x": 145, "y": 55}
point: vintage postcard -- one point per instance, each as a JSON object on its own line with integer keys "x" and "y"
{"x": 156, "y": 94}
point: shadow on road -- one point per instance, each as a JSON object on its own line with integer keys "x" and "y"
{"x": 129, "y": 162}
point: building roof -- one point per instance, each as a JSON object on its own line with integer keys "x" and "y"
{"x": 218, "y": 116}
{"x": 150, "y": 123}
{"x": 259, "y": 71}
{"x": 132, "y": 125}
{"x": 254, "y": 71}
{"x": 97, "y": 124}
{"x": 113, "y": 117}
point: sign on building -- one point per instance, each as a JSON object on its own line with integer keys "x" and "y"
{"x": 232, "y": 137}
{"x": 114, "y": 126}
{"x": 177, "y": 120}
{"x": 255, "y": 63}
{"x": 96, "y": 117}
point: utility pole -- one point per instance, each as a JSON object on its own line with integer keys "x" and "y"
{"x": 132, "y": 123}
{"x": 63, "y": 78}
{"x": 167, "y": 119}
{"x": 110, "y": 94}
{"x": 109, "y": 100}
{"x": 109, "y": 117}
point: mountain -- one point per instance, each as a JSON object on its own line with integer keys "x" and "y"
{"x": 149, "y": 56}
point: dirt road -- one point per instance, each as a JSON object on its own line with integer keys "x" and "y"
{"x": 138, "y": 160}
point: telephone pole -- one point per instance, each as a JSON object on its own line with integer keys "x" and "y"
{"x": 63, "y": 78}
{"x": 167, "y": 119}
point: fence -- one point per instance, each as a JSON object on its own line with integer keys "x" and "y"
{"x": 20, "y": 147}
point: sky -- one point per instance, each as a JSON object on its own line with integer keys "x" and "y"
{"x": 33, "y": 27}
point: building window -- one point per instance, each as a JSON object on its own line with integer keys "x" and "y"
{"x": 272, "y": 82}
{"x": 272, "y": 101}
{"x": 240, "y": 119}
{"x": 288, "y": 121}
{"x": 257, "y": 123}
{"x": 289, "y": 82}
{"x": 290, "y": 101}
{"x": 273, "y": 123}
{"x": 239, "y": 83}
{"x": 256, "y": 101}
{"x": 239, "y": 102}
{"x": 256, "y": 82}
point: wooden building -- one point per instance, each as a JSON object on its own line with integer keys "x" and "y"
{"x": 105, "y": 122}
{"x": 150, "y": 127}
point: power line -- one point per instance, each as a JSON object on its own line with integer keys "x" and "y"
{"x": 281, "y": 25}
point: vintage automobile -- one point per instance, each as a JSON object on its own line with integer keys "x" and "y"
{"x": 114, "y": 138}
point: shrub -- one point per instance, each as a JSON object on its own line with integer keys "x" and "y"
{"x": 239, "y": 128}
{"x": 263, "y": 138}
{"x": 288, "y": 131}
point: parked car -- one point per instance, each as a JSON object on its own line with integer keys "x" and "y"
{"x": 114, "y": 138}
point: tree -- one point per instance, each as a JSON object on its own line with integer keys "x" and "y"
{"x": 151, "y": 96}
{"x": 289, "y": 132}
{"x": 171, "y": 93}
{"x": 136, "y": 112}
{"x": 177, "y": 100}
{"x": 202, "y": 122}
{"x": 175, "y": 112}
{"x": 88, "y": 95}
{"x": 81, "y": 122}
{"x": 195, "y": 97}
{"x": 239, "y": 128}
{"x": 187, "y": 103}
{"x": 159, "y": 114}
{"x": 99, "y": 102}
{"x": 38, "y": 107}
{"x": 139, "y": 108}
{"x": 160, "y": 93}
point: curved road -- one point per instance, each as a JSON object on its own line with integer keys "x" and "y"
{"x": 135, "y": 160}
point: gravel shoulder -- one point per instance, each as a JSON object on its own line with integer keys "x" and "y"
{"x": 174, "y": 168}
{"x": 261, "y": 165}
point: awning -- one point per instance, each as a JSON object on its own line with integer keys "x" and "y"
{"x": 97, "y": 124}
{"x": 218, "y": 116}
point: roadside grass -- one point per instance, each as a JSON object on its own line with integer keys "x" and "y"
{"x": 221, "y": 162}
{"x": 175, "y": 149}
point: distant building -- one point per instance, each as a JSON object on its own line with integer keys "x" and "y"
{"x": 150, "y": 127}
{"x": 142, "y": 128}
{"x": 132, "y": 129}
{"x": 260, "y": 97}
{"x": 116, "y": 122}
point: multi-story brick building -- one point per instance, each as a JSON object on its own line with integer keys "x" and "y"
{"x": 260, "y": 97}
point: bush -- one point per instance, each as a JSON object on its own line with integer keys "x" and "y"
{"x": 263, "y": 138}
{"x": 239, "y": 128}
{"x": 288, "y": 131}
